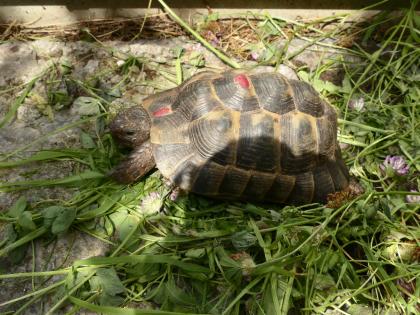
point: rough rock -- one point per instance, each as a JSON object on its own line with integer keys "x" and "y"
{"x": 282, "y": 69}
{"x": 67, "y": 248}
{"x": 18, "y": 62}
{"x": 47, "y": 49}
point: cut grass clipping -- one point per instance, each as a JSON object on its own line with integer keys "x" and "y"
{"x": 189, "y": 255}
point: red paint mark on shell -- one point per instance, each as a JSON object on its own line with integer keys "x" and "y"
{"x": 162, "y": 112}
{"x": 242, "y": 80}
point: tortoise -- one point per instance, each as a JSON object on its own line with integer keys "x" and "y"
{"x": 237, "y": 135}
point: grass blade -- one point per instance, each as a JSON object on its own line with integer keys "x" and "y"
{"x": 219, "y": 54}
{"x": 19, "y": 101}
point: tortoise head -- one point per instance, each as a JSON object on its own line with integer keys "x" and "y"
{"x": 131, "y": 127}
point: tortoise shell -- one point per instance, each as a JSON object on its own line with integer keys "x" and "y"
{"x": 241, "y": 135}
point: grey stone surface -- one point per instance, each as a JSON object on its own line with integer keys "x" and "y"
{"x": 18, "y": 62}
{"x": 47, "y": 49}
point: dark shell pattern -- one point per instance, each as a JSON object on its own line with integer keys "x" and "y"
{"x": 238, "y": 135}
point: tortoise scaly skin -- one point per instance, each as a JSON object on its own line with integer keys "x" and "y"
{"x": 237, "y": 135}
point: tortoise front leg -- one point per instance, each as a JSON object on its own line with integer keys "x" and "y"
{"x": 136, "y": 165}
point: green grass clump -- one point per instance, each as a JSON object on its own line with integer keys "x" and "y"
{"x": 191, "y": 255}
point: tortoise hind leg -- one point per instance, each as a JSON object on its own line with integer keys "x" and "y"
{"x": 136, "y": 165}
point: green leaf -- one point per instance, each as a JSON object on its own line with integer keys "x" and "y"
{"x": 104, "y": 206}
{"x": 120, "y": 311}
{"x": 58, "y": 218}
{"x": 18, "y": 207}
{"x": 124, "y": 223}
{"x": 77, "y": 277}
{"x": 107, "y": 280}
{"x": 108, "y": 226}
{"x": 385, "y": 207}
{"x": 195, "y": 253}
{"x": 332, "y": 258}
{"x": 110, "y": 300}
{"x": 116, "y": 92}
{"x": 51, "y": 213}
{"x": 23, "y": 240}
{"x": 268, "y": 28}
{"x": 87, "y": 141}
{"x": 9, "y": 233}
{"x": 196, "y": 59}
{"x": 243, "y": 239}
{"x": 414, "y": 25}
{"x": 178, "y": 296}
{"x": 324, "y": 282}
{"x": 87, "y": 106}
{"x": 63, "y": 221}
{"x": 178, "y": 65}
{"x": 145, "y": 259}
{"x": 25, "y": 221}
{"x": 214, "y": 16}
{"x": 60, "y": 98}
{"x": 268, "y": 53}
{"x": 358, "y": 309}
{"x": 18, "y": 254}
{"x": 321, "y": 86}
{"x": 145, "y": 272}
{"x": 346, "y": 85}
{"x": 303, "y": 75}
{"x": 66, "y": 66}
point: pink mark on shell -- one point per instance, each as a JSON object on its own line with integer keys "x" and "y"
{"x": 162, "y": 112}
{"x": 242, "y": 80}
